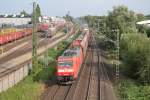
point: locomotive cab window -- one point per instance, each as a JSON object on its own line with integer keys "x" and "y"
{"x": 65, "y": 64}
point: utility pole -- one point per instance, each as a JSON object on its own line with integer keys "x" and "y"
{"x": 34, "y": 38}
{"x": 116, "y": 63}
{"x": 46, "y": 48}
{"x": 98, "y": 25}
{"x": 68, "y": 19}
{"x": 117, "y": 55}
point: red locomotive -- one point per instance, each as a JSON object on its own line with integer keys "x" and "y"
{"x": 69, "y": 63}
{"x": 43, "y": 26}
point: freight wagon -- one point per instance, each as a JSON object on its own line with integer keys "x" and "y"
{"x": 48, "y": 30}
{"x": 11, "y": 34}
{"x": 42, "y": 27}
{"x": 69, "y": 63}
{"x": 48, "y": 33}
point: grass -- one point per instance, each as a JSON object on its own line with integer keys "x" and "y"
{"x": 25, "y": 90}
{"x": 33, "y": 85}
{"x": 131, "y": 90}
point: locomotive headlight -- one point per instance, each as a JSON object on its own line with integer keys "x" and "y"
{"x": 70, "y": 70}
{"x": 61, "y": 70}
{"x": 65, "y": 70}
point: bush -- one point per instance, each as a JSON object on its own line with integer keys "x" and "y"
{"x": 130, "y": 90}
{"x": 135, "y": 53}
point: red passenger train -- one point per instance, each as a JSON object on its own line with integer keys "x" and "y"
{"x": 69, "y": 63}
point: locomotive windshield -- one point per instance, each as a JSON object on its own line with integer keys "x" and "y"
{"x": 65, "y": 64}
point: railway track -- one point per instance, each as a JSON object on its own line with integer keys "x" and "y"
{"x": 90, "y": 90}
{"x": 19, "y": 57}
{"x": 105, "y": 87}
{"x": 82, "y": 86}
{"x": 94, "y": 84}
{"x": 73, "y": 87}
{"x": 24, "y": 43}
{"x": 6, "y": 47}
{"x": 19, "y": 45}
{"x": 57, "y": 92}
{"x": 27, "y": 48}
{"x": 101, "y": 76}
{"x": 13, "y": 44}
{"x": 4, "y": 69}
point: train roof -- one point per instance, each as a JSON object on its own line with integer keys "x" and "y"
{"x": 75, "y": 51}
{"x": 82, "y": 35}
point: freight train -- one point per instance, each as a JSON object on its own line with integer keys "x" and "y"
{"x": 69, "y": 63}
{"x": 10, "y": 34}
{"x": 14, "y": 35}
{"x": 49, "y": 30}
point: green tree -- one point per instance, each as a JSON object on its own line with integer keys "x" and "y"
{"x": 148, "y": 32}
{"x": 135, "y": 53}
{"x": 141, "y": 28}
{"x": 23, "y": 12}
{"x": 68, "y": 17}
{"x": 123, "y": 19}
{"x": 38, "y": 11}
{"x": 148, "y": 17}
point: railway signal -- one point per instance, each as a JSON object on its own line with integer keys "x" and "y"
{"x": 46, "y": 52}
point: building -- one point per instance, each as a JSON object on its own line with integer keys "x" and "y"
{"x": 15, "y": 20}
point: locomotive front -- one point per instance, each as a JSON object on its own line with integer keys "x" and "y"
{"x": 65, "y": 67}
{"x": 68, "y": 65}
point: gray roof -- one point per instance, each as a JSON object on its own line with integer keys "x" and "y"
{"x": 75, "y": 51}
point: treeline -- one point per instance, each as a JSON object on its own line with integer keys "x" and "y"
{"x": 134, "y": 41}
{"x": 120, "y": 18}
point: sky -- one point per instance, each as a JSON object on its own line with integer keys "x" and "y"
{"x": 75, "y": 7}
